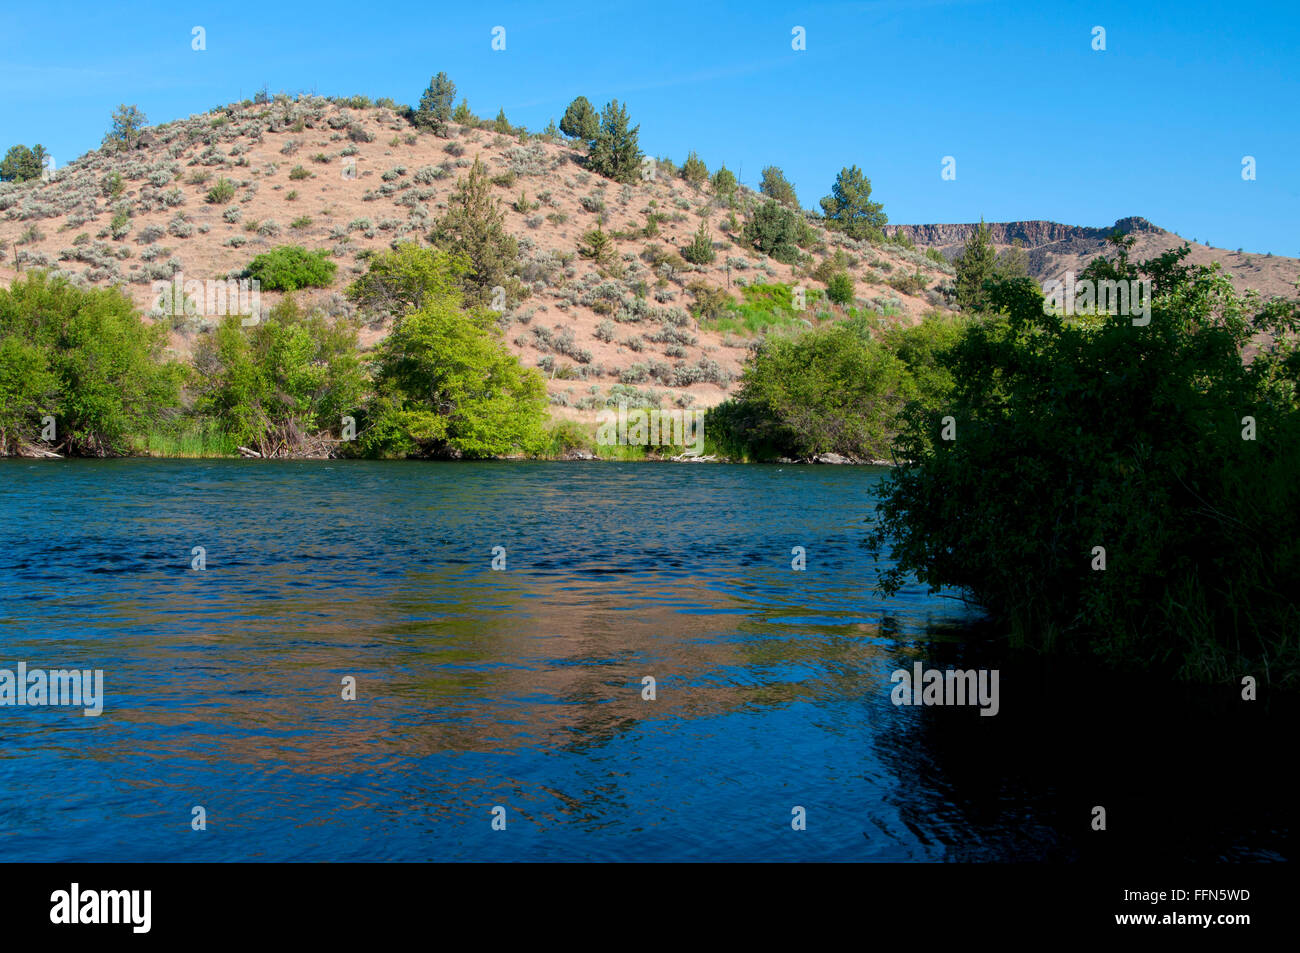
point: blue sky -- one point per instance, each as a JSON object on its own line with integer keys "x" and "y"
{"x": 1039, "y": 123}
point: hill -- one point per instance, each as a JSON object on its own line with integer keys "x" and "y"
{"x": 350, "y": 177}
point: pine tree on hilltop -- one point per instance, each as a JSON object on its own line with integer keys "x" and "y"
{"x": 128, "y": 129}
{"x": 849, "y": 207}
{"x": 435, "y": 105}
{"x": 616, "y": 154}
{"x": 580, "y": 121}
{"x": 775, "y": 185}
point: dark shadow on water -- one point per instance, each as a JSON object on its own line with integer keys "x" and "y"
{"x": 1184, "y": 773}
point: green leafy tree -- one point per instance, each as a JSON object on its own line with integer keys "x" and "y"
{"x": 474, "y": 227}
{"x": 775, "y": 186}
{"x": 501, "y": 124}
{"x": 829, "y": 390}
{"x": 1139, "y": 520}
{"x": 445, "y": 383}
{"x": 580, "y": 121}
{"x": 597, "y": 246}
{"x": 615, "y": 153}
{"x": 975, "y": 265}
{"x": 849, "y": 207}
{"x": 434, "y": 111}
{"x": 127, "y": 130}
{"x": 286, "y": 379}
{"x": 840, "y": 288}
{"x": 462, "y": 115}
{"x": 401, "y": 280}
{"x": 28, "y": 390}
{"x": 86, "y": 358}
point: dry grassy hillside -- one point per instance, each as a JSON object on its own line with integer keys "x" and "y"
{"x": 317, "y": 173}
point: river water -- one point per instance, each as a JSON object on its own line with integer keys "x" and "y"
{"x": 522, "y": 688}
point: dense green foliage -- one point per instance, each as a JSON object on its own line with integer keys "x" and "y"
{"x": 975, "y": 265}
{"x": 724, "y": 183}
{"x": 694, "y": 170}
{"x": 291, "y": 267}
{"x": 445, "y": 384}
{"x": 1068, "y": 435}
{"x": 85, "y": 358}
{"x": 700, "y": 250}
{"x": 839, "y": 288}
{"x": 271, "y": 385}
{"x": 839, "y": 388}
{"x": 21, "y": 164}
{"x": 775, "y": 230}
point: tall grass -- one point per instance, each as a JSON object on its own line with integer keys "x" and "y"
{"x": 190, "y": 437}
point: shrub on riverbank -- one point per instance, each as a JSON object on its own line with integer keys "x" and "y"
{"x": 840, "y": 388}
{"x": 1113, "y": 488}
{"x": 84, "y": 358}
{"x": 280, "y": 382}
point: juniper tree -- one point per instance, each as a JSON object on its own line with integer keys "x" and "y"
{"x": 22, "y": 164}
{"x": 434, "y": 111}
{"x": 694, "y": 170}
{"x": 580, "y": 120}
{"x": 849, "y": 207}
{"x": 128, "y": 127}
{"x": 776, "y": 186}
{"x": 474, "y": 226}
{"x": 615, "y": 153}
{"x": 700, "y": 250}
{"x": 724, "y": 182}
{"x": 975, "y": 265}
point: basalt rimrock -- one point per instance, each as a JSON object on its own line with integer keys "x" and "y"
{"x": 1054, "y": 249}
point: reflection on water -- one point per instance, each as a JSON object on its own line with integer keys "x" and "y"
{"x": 477, "y": 688}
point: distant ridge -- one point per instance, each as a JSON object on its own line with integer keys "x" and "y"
{"x": 1054, "y": 249}
{"x": 1032, "y": 233}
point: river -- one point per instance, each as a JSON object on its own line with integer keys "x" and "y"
{"x": 503, "y": 713}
